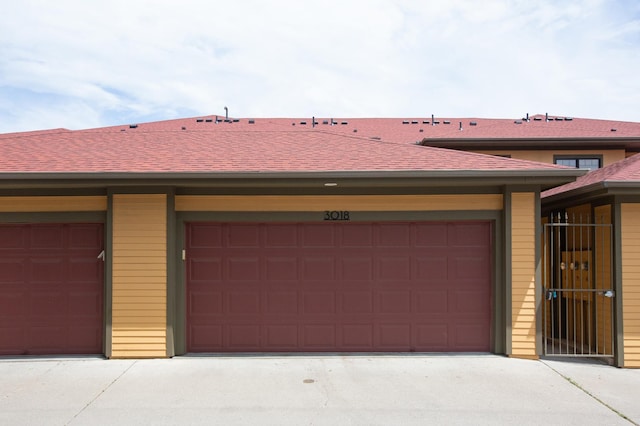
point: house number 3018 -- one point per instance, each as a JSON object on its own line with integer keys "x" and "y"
{"x": 336, "y": 215}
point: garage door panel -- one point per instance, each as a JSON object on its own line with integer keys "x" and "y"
{"x": 432, "y": 301}
{"x": 12, "y": 339}
{"x": 431, "y": 235}
{"x": 319, "y": 336}
{"x": 470, "y": 301}
{"x": 84, "y": 339}
{"x": 243, "y": 302}
{"x": 395, "y": 337}
{"x": 392, "y": 268}
{"x": 47, "y": 237}
{"x": 316, "y": 236}
{"x": 12, "y": 270}
{"x": 84, "y": 271}
{"x": 12, "y": 304}
{"x": 205, "y": 269}
{"x": 206, "y": 337}
{"x": 356, "y": 268}
{"x": 281, "y": 268}
{"x": 243, "y": 269}
{"x": 432, "y": 337}
{"x": 357, "y": 336}
{"x": 319, "y": 302}
{"x": 471, "y": 337}
{"x": 205, "y": 235}
{"x": 46, "y": 270}
{"x": 282, "y": 303}
{"x": 318, "y": 268}
{"x": 244, "y": 336}
{"x": 278, "y": 236}
{"x": 357, "y": 302}
{"x": 356, "y": 236}
{"x": 395, "y": 235}
{"x": 47, "y": 338}
{"x": 85, "y": 237}
{"x": 84, "y": 304}
{"x": 243, "y": 236}
{"x": 431, "y": 268}
{"x": 12, "y": 238}
{"x": 205, "y": 302}
{"x": 341, "y": 287}
{"x": 465, "y": 267}
{"x": 468, "y": 235}
{"x": 282, "y": 336}
{"x": 47, "y": 304}
{"x": 394, "y": 302}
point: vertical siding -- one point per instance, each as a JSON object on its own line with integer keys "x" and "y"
{"x": 523, "y": 274}
{"x": 602, "y": 279}
{"x": 139, "y": 275}
{"x": 631, "y": 283}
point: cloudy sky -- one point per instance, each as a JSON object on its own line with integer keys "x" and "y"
{"x": 89, "y": 63}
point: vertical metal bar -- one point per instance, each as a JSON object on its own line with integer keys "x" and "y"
{"x": 591, "y": 276}
{"x": 566, "y": 285}
{"x": 573, "y": 282}
{"x": 599, "y": 285}
{"x": 545, "y": 287}
{"x": 580, "y": 292}
{"x": 611, "y": 321}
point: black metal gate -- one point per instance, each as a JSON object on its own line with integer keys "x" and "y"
{"x": 578, "y": 287}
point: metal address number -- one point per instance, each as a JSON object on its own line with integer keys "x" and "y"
{"x": 336, "y": 215}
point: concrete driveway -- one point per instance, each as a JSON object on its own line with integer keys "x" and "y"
{"x": 316, "y": 390}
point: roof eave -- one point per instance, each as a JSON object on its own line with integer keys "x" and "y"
{"x": 546, "y": 178}
{"x": 595, "y": 190}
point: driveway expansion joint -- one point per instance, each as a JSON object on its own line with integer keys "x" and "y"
{"x": 600, "y": 401}
{"x": 88, "y": 404}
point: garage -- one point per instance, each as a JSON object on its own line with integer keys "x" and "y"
{"x": 51, "y": 288}
{"x": 339, "y": 287}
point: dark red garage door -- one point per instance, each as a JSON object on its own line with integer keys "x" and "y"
{"x": 51, "y": 285}
{"x": 339, "y": 287}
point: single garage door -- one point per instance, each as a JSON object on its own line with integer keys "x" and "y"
{"x": 343, "y": 286}
{"x": 51, "y": 289}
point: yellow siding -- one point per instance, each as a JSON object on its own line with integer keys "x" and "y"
{"x": 139, "y": 276}
{"x": 331, "y": 202}
{"x": 523, "y": 273}
{"x": 630, "y": 228}
{"x": 53, "y": 204}
{"x": 608, "y": 156}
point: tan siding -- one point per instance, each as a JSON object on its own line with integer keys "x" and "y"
{"x": 523, "y": 273}
{"x": 53, "y": 204}
{"x": 139, "y": 276}
{"x": 329, "y": 202}
{"x": 608, "y": 156}
{"x": 631, "y": 283}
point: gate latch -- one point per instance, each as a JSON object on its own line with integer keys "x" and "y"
{"x": 550, "y": 294}
{"x": 101, "y": 255}
{"x": 608, "y": 293}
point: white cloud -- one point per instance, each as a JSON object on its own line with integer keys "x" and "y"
{"x": 84, "y": 64}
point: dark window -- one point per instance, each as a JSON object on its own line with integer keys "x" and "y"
{"x": 590, "y": 163}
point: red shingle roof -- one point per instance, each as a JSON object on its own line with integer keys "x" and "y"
{"x": 623, "y": 171}
{"x": 234, "y": 148}
{"x": 416, "y": 129}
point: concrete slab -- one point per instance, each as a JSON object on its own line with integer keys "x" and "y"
{"x": 288, "y": 390}
{"x": 618, "y": 388}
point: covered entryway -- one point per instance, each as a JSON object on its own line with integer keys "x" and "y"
{"x": 338, "y": 286}
{"x": 51, "y": 289}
